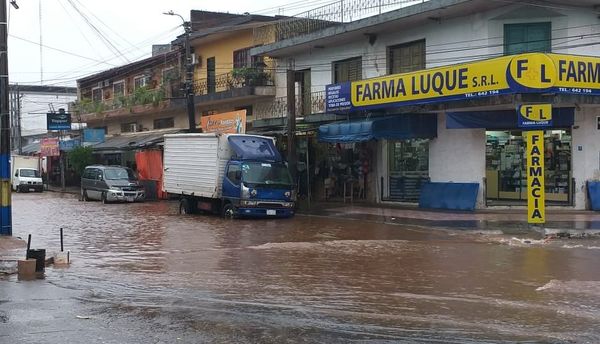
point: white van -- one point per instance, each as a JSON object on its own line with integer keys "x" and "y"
{"x": 25, "y": 174}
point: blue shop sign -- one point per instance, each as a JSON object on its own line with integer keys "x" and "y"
{"x": 93, "y": 135}
{"x": 68, "y": 145}
{"x": 58, "y": 121}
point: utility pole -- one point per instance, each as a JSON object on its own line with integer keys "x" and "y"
{"x": 19, "y": 128}
{"x": 291, "y": 122}
{"x": 189, "y": 75}
{"x": 5, "y": 173}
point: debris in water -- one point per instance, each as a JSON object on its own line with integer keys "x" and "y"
{"x": 83, "y": 317}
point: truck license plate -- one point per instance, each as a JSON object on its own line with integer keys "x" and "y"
{"x": 31, "y": 190}
{"x": 130, "y": 199}
{"x": 271, "y": 212}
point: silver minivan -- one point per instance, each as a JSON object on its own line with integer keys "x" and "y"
{"x": 111, "y": 184}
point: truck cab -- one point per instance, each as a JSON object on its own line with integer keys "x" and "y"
{"x": 254, "y": 188}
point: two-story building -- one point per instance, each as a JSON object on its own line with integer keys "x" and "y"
{"x": 429, "y": 92}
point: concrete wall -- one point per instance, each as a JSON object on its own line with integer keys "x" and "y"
{"x": 222, "y": 50}
{"x": 586, "y": 162}
{"x": 469, "y": 38}
{"x": 458, "y": 155}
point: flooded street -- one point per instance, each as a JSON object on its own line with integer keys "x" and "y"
{"x": 141, "y": 273}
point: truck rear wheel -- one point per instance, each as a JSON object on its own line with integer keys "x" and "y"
{"x": 187, "y": 206}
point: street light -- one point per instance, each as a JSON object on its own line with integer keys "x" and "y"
{"x": 189, "y": 73}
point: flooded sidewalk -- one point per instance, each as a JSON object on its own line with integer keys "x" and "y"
{"x": 575, "y": 222}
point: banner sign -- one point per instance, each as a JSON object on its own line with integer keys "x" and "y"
{"x": 536, "y": 194}
{"x": 525, "y": 73}
{"x": 68, "y": 145}
{"x": 58, "y": 121}
{"x": 536, "y": 116}
{"x": 93, "y": 135}
{"x": 233, "y": 122}
{"x": 49, "y": 147}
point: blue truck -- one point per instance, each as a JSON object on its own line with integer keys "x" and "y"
{"x": 236, "y": 175}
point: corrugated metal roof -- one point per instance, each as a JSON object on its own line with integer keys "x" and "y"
{"x": 134, "y": 140}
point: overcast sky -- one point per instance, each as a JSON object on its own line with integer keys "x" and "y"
{"x": 129, "y": 27}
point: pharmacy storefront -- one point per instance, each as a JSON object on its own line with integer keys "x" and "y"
{"x": 479, "y": 141}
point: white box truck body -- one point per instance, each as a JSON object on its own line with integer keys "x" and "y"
{"x": 236, "y": 175}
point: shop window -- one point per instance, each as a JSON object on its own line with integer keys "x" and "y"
{"x": 97, "y": 94}
{"x": 408, "y": 162}
{"x": 506, "y": 178}
{"x": 527, "y": 38}
{"x": 163, "y": 123}
{"x": 407, "y": 57}
{"x": 347, "y": 70}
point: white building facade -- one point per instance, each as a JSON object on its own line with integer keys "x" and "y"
{"x": 442, "y": 33}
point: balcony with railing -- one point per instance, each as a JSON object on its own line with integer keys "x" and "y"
{"x": 142, "y": 100}
{"x": 305, "y": 106}
{"x": 323, "y": 17}
{"x": 239, "y": 83}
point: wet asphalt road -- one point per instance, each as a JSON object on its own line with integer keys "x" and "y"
{"x": 143, "y": 274}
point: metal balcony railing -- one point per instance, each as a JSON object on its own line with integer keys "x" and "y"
{"x": 141, "y": 96}
{"x": 239, "y": 78}
{"x": 343, "y": 11}
{"x": 304, "y": 106}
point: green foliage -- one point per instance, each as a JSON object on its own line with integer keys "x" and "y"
{"x": 249, "y": 76}
{"x": 80, "y": 157}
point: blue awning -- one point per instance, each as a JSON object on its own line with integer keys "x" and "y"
{"x": 400, "y": 127}
{"x": 248, "y": 147}
{"x": 503, "y": 119}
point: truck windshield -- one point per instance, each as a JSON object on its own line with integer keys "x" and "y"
{"x": 29, "y": 173}
{"x": 119, "y": 174}
{"x": 271, "y": 174}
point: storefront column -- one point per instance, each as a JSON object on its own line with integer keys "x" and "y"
{"x": 458, "y": 155}
{"x": 586, "y": 152}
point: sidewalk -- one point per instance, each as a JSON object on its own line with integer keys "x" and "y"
{"x": 69, "y": 189}
{"x": 505, "y": 220}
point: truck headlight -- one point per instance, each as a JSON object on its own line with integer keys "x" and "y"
{"x": 287, "y": 194}
{"x": 248, "y": 203}
{"x": 288, "y": 204}
{"x": 253, "y": 192}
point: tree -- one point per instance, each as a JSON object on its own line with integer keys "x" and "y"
{"x": 80, "y": 157}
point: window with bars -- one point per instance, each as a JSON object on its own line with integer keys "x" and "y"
{"x": 407, "y": 57}
{"x": 118, "y": 89}
{"x": 140, "y": 81}
{"x": 97, "y": 94}
{"x": 241, "y": 58}
{"x": 347, "y": 70}
{"x": 163, "y": 123}
{"x": 130, "y": 127}
{"x": 527, "y": 38}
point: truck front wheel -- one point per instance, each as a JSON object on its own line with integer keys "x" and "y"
{"x": 229, "y": 211}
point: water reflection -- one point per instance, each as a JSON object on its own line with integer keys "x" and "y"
{"x": 327, "y": 279}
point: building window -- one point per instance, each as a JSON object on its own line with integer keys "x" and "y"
{"x": 118, "y": 89}
{"x": 241, "y": 58}
{"x": 347, "y": 70}
{"x": 140, "y": 81}
{"x": 527, "y": 38}
{"x": 407, "y": 57}
{"x": 97, "y": 94}
{"x": 129, "y": 127}
{"x": 163, "y": 123}
{"x": 169, "y": 74}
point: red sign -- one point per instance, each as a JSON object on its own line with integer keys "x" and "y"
{"x": 49, "y": 147}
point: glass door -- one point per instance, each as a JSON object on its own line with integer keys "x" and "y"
{"x": 408, "y": 169}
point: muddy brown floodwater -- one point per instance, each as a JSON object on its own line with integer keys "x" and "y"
{"x": 142, "y": 273}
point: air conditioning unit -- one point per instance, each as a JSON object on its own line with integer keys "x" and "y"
{"x": 197, "y": 60}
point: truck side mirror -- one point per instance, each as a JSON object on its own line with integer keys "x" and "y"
{"x": 17, "y": 174}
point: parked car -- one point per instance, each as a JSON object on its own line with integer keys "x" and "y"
{"x": 111, "y": 184}
{"x": 26, "y": 174}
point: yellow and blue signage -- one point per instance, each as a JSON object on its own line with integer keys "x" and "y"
{"x": 536, "y": 194}
{"x": 526, "y": 73}
{"x": 535, "y": 116}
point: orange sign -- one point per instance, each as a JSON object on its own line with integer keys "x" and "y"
{"x": 49, "y": 147}
{"x": 233, "y": 122}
